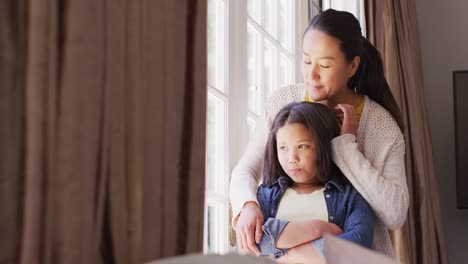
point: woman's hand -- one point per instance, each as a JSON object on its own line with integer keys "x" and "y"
{"x": 250, "y": 222}
{"x": 350, "y": 122}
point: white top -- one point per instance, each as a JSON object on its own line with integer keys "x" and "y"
{"x": 298, "y": 207}
{"x": 374, "y": 163}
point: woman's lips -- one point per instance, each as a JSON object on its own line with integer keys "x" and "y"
{"x": 316, "y": 87}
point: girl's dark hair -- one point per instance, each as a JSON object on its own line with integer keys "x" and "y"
{"x": 369, "y": 78}
{"x": 322, "y": 124}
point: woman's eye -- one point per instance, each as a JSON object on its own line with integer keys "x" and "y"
{"x": 282, "y": 148}
{"x": 324, "y": 66}
{"x": 303, "y": 146}
{"x": 307, "y": 62}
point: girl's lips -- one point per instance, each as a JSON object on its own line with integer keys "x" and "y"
{"x": 295, "y": 171}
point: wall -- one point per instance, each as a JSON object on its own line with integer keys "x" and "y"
{"x": 443, "y": 30}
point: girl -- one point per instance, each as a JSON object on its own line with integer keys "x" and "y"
{"x": 304, "y": 194}
{"x": 343, "y": 71}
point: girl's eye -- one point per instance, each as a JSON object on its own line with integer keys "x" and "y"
{"x": 324, "y": 66}
{"x": 307, "y": 62}
{"x": 303, "y": 146}
{"x": 281, "y": 148}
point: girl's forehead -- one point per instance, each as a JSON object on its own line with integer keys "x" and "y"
{"x": 294, "y": 130}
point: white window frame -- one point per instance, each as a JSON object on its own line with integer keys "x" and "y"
{"x": 235, "y": 94}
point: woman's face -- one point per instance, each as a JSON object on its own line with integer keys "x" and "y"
{"x": 325, "y": 70}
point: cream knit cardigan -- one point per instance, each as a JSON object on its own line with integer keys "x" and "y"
{"x": 373, "y": 162}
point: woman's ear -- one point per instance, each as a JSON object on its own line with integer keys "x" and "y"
{"x": 354, "y": 66}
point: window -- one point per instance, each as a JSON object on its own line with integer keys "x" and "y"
{"x": 254, "y": 47}
{"x": 217, "y": 123}
{"x": 270, "y": 50}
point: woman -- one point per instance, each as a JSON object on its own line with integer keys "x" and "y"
{"x": 343, "y": 71}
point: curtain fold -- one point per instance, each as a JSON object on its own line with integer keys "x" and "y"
{"x": 11, "y": 129}
{"x": 173, "y": 212}
{"x": 103, "y": 148}
{"x": 392, "y": 27}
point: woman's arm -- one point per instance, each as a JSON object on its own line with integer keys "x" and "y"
{"x": 386, "y": 192}
{"x": 300, "y": 232}
{"x": 243, "y": 192}
{"x": 247, "y": 173}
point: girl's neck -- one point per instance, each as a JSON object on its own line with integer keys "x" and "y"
{"x": 306, "y": 188}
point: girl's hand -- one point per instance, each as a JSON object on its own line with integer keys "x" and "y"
{"x": 331, "y": 229}
{"x": 250, "y": 222}
{"x": 325, "y": 227}
{"x": 350, "y": 122}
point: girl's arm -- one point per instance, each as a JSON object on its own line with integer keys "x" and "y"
{"x": 386, "y": 192}
{"x": 304, "y": 253}
{"x": 359, "y": 224}
{"x": 300, "y": 232}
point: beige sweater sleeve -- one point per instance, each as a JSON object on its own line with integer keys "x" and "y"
{"x": 385, "y": 191}
{"x": 247, "y": 174}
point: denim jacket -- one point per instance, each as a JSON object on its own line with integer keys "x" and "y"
{"x": 346, "y": 207}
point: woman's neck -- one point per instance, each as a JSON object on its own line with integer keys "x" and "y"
{"x": 348, "y": 97}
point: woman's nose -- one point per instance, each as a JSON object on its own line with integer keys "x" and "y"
{"x": 314, "y": 72}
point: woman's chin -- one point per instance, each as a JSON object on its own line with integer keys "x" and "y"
{"x": 316, "y": 96}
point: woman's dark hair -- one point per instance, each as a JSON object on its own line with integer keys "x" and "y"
{"x": 322, "y": 124}
{"x": 369, "y": 78}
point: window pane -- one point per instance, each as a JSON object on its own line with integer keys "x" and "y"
{"x": 215, "y": 229}
{"x": 346, "y": 5}
{"x": 253, "y": 9}
{"x": 285, "y": 71}
{"x": 254, "y": 93}
{"x": 268, "y": 67}
{"x": 215, "y": 144}
{"x": 317, "y": 2}
{"x": 269, "y": 17}
{"x": 251, "y": 124}
{"x": 216, "y": 37}
{"x": 285, "y": 18}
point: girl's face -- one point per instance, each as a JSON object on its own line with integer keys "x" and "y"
{"x": 296, "y": 153}
{"x": 325, "y": 70}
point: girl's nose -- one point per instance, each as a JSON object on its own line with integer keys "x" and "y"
{"x": 293, "y": 157}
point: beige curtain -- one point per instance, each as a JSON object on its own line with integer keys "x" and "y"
{"x": 392, "y": 27}
{"x": 103, "y": 145}
{"x": 11, "y": 127}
